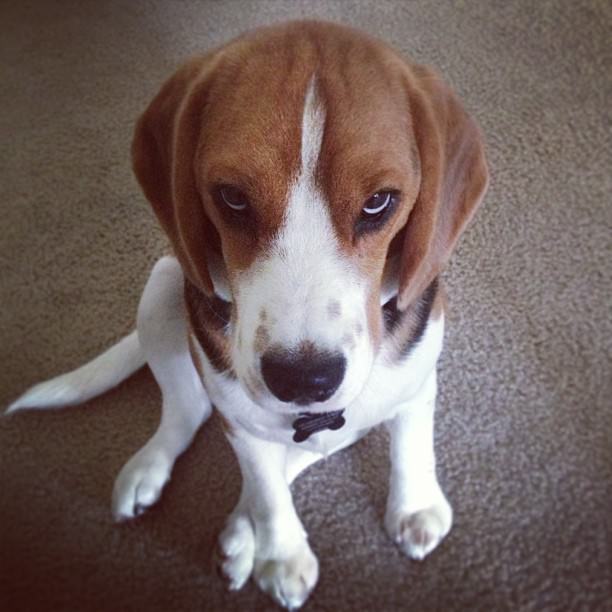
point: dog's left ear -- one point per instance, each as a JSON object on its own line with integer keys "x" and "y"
{"x": 454, "y": 179}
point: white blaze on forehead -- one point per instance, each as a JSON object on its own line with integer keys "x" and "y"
{"x": 307, "y": 235}
{"x": 313, "y": 125}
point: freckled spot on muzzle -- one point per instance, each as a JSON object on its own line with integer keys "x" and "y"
{"x": 262, "y": 339}
{"x": 334, "y": 309}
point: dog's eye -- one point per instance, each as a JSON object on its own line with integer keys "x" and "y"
{"x": 233, "y": 198}
{"x": 376, "y": 210}
{"x": 377, "y": 204}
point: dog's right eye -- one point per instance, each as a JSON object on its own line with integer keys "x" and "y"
{"x": 233, "y": 198}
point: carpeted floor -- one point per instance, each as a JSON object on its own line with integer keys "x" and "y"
{"x": 524, "y": 431}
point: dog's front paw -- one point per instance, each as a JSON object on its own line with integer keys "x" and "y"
{"x": 417, "y": 533}
{"x": 289, "y": 582}
{"x": 236, "y": 551}
{"x": 140, "y": 483}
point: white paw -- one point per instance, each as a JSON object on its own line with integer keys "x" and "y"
{"x": 418, "y": 533}
{"x": 236, "y": 551}
{"x": 140, "y": 483}
{"x": 289, "y": 581}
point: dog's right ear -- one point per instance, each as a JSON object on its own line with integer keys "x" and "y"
{"x": 163, "y": 154}
{"x": 454, "y": 179}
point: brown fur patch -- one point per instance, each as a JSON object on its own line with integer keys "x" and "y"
{"x": 262, "y": 339}
{"x": 225, "y": 425}
{"x": 405, "y": 329}
{"x": 209, "y": 318}
{"x": 440, "y": 305}
{"x": 194, "y": 356}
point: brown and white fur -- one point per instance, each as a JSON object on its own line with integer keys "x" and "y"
{"x": 305, "y": 122}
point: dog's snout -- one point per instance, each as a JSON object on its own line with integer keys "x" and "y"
{"x": 302, "y": 378}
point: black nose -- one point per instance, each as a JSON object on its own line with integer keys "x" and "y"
{"x": 302, "y": 378}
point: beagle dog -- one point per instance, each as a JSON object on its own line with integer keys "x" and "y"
{"x": 313, "y": 184}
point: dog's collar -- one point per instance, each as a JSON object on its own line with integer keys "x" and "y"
{"x": 309, "y": 423}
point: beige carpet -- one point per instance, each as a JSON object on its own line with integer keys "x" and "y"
{"x": 524, "y": 432}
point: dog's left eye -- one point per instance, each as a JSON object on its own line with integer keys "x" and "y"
{"x": 377, "y": 204}
{"x": 233, "y": 198}
{"x": 376, "y": 210}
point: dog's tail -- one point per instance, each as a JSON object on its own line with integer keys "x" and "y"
{"x": 94, "y": 378}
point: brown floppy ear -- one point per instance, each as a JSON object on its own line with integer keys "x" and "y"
{"x": 454, "y": 179}
{"x": 163, "y": 156}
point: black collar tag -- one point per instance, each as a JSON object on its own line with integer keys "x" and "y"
{"x": 309, "y": 423}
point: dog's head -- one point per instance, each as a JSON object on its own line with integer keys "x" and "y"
{"x": 307, "y": 174}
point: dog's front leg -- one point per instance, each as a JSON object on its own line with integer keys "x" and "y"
{"x": 264, "y": 534}
{"x": 418, "y": 515}
{"x": 163, "y": 336}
